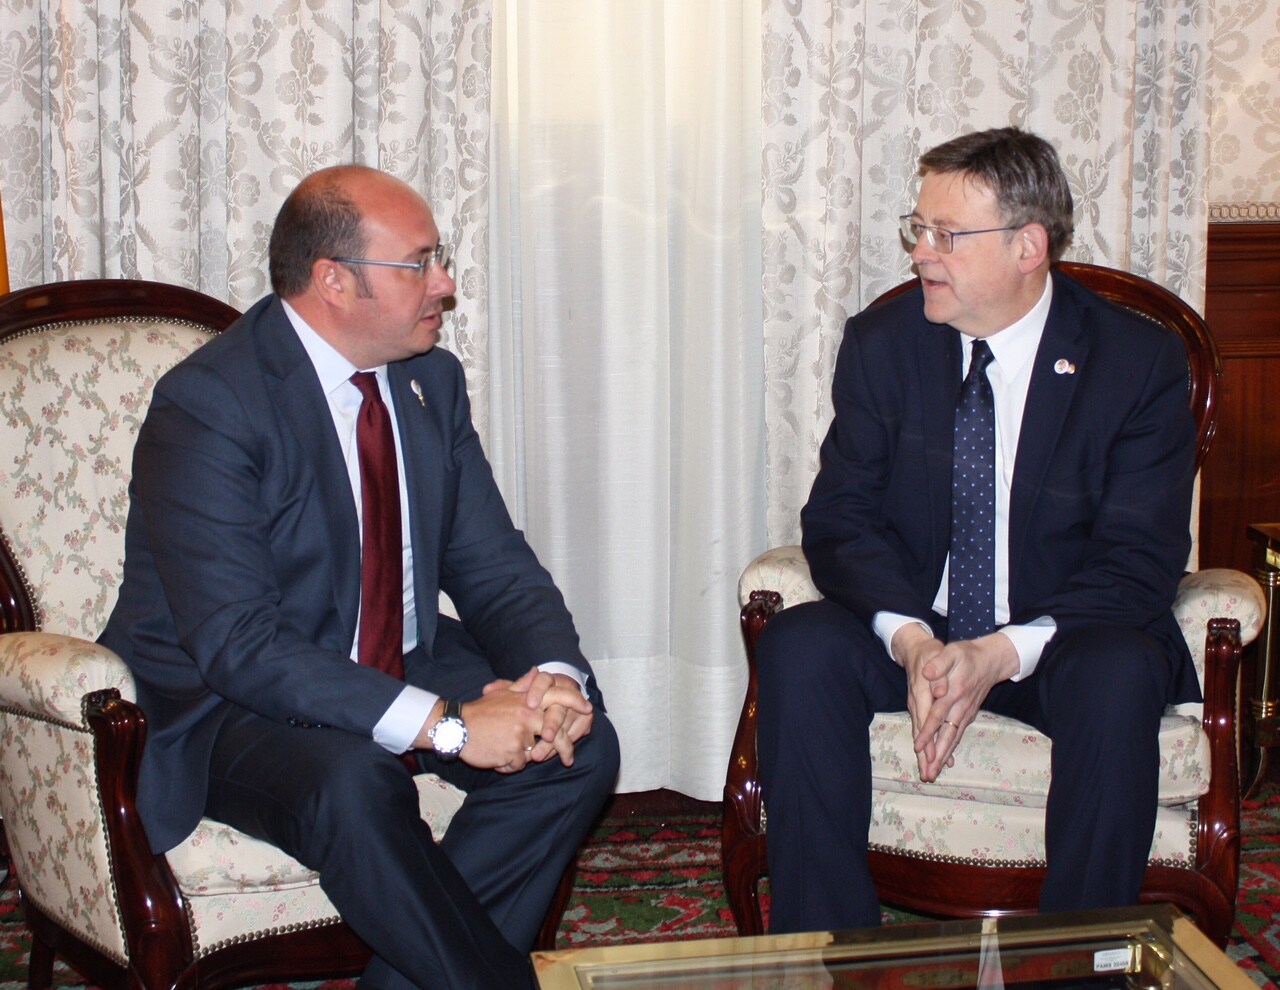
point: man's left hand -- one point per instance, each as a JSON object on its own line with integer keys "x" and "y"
{"x": 960, "y": 675}
{"x": 566, "y": 714}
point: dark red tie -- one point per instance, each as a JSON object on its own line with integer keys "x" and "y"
{"x": 381, "y": 569}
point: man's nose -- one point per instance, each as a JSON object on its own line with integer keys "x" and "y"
{"x": 440, "y": 283}
{"x": 922, "y": 249}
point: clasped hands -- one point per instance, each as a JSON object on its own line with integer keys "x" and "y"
{"x": 515, "y": 723}
{"x": 946, "y": 685}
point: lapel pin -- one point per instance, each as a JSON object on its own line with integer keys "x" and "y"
{"x": 1062, "y": 366}
{"x": 417, "y": 390}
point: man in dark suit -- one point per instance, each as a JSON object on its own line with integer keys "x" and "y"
{"x": 245, "y": 596}
{"x": 1031, "y": 575}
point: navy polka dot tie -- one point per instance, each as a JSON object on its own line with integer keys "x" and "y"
{"x": 971, "y": 578}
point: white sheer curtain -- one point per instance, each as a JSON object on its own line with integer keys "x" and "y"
{"x": 626, "y": 355}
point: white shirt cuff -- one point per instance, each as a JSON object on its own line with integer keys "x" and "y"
{"x": 886, "y": 624}
{"x": 401, "y": 723}
{"x": 1029, "y": 640}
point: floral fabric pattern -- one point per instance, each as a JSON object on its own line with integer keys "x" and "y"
{"x": 48, "y": 798}
{"x": 74, "y": 399}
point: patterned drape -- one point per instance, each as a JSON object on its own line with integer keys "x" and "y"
{"x": 854, "y": 90}
{"x": 1244, "y": 182}
{"x": 157, "y": 139}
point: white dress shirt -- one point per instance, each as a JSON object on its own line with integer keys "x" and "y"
{"x": 1014, "y": 350}
{"x": 400, "y": 724}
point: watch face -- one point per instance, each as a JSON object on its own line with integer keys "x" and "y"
{"x": 449, "y": 736}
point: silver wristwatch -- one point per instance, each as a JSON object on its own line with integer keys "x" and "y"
{"x": 449, "y": 735}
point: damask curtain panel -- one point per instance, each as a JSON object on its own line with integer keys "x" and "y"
{"x": 854, "y": 90}
{"x": 157, "y": 139}
{"x": 663, "y": 212}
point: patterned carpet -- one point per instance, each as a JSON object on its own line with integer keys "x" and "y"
{"x": 659, "y": 878}
{"x": 649, "y": 877}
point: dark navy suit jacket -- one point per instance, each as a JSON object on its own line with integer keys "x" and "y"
{"x": 1101, "y": 491}
{"x": 242, "y": 562}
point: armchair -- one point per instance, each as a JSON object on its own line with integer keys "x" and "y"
{"x": 78, "y": 362}
{"x": 972, "y": 843}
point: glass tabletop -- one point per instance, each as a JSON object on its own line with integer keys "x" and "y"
{"x": 1153, "y": 947}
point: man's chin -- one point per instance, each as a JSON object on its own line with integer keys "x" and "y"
{"x": 934, "y": 312}
{"x": 428, "y": 339}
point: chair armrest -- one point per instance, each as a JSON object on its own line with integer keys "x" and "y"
{"x": 780, "y": 569}
{"x": 1219, "y": 593}
{"x": 48, "y": 674}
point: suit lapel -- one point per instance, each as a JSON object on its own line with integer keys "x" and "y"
{"x": 422, "y": 441}
{"x": 939, "y": 356}
{"x": 296, "y": 390}
{"x": 1049, "y": 397}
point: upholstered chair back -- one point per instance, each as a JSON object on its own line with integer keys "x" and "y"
{"x": 74, "y": 395}
{"x": 75, "y": 385}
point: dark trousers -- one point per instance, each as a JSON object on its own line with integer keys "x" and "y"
{"x": 463, "y": 913}
{"x": 1098, "y": 694}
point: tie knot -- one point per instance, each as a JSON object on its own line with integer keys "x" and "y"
{"x": 367, "y": 383}
{"x": 980, "y": 358}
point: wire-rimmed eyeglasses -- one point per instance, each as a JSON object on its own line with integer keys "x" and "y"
{"x": 939, "y": 238}
{"x": 442, "y": 255}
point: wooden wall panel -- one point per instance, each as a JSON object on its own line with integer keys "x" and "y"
{"x": 1241, "y": 480}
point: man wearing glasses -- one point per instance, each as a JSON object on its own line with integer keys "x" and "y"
{"x": 999, "y": 522}
{"x": 304, "y": 487}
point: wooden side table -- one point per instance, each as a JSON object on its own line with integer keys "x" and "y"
{"x": 1263, "y": 704}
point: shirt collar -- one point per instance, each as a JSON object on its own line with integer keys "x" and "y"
{"x": 332, "y": 368}
{"x": 1015, "y": 346}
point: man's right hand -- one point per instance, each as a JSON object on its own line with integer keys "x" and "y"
{"x": 913, "y": 648}
{"x": 946, "y": 686}
{"x": 502, "y": 729}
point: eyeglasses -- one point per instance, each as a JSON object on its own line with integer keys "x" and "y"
{"x": 442, "y": 255}
{"x": 939, "y": 238}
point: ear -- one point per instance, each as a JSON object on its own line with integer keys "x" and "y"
{"x": 1033, "y": 247}
{"x": 332, "y": 283}
{"x": 327, "y": 275}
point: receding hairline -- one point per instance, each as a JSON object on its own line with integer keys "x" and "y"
{"x": 335, "y": 177}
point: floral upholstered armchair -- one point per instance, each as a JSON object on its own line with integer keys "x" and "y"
{"x": 78, "y": 362}
{"x": 972, "y": 842}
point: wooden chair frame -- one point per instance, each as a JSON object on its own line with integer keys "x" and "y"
{"x": 1207, "y": 892}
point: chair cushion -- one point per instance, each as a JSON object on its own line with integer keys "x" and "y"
{"x": 239, "y": 888}
{"x": 1001, "y": 761}
{"x": 988, "y": 834}
{"x": 218, "y": 859}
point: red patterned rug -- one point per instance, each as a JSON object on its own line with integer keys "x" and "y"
{"x": 649, "y": 878}
{"x": 1255, "y": 942}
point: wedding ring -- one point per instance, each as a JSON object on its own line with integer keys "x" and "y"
{"x": 952, "y": 724}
